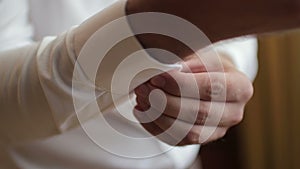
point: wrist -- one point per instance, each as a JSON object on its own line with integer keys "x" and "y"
{"x": 227, "y": 62}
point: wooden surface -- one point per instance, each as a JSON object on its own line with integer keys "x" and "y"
{"x": 271, "y": 129}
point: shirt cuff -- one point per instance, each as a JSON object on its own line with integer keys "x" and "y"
{"x": 113, "y": 71}
{"x": 243, "y": 53}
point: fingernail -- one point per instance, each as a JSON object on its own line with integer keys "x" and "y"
{"x": 141, "y": 105}
{"x": 139, "y": 108}
{"x": 158, "y": 81}
{"x": 143, "y": 90}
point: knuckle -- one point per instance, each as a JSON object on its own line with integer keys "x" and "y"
{"x": 207, "y": 84}
{"x": 200, "y": 120}
{"x": 237, "y": 118}
{"x": 183, "y": 87}
{"x": 207, "y": 93}
{"x": 202, "y": 115}
{"x": 193, "y": 137}
{"x": 218, "y": 90}
{"x": 215, "y": 86}
{"x": 246, "y": 92}
{"x": 222, "y": 133}
{"x": 249, "y": 91}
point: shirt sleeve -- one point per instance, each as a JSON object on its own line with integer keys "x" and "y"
{"x": 243, "y": 52}
{"x": 36, "y": 86}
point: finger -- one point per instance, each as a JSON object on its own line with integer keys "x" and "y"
{"x": 193, "y": 65}
{"x": 204, "y": 112}
{"x": 209, "y": 86}
{"x": 204, "y": 61}
{"x": 142, "y": 103}
{"x": 151, "y": 127}
{"x": 223, "y": 114}
{"x": 142, "y": 90}
{"x": 154, "y": 130}
{"x": 204, "y": 134}
{"x": 186, "y": 134}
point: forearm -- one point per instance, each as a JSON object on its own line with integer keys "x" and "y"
{"x": 29, "y": 75}
{"x": 221, "y": 20}
{"x": 37, "y": 90}
{"x": 36, "y": 94}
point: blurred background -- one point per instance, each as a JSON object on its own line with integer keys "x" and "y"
{"x": 269, "y": 136}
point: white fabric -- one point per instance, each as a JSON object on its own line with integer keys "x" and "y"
{"x": 243, "y": 52}
{"x": 28, "y": 73}
{"x": 50, "y": 18}
{"x": 15, "y": 29}
{"x": 71, "y": 149}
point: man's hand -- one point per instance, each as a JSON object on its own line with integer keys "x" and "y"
{"x": 225, "y": 101}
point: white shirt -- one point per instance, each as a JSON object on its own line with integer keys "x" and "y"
{"x": 73, "y": 149}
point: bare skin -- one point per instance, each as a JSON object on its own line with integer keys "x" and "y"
{"x": 220, "y": 20}
{"x": 234, "y": 101}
